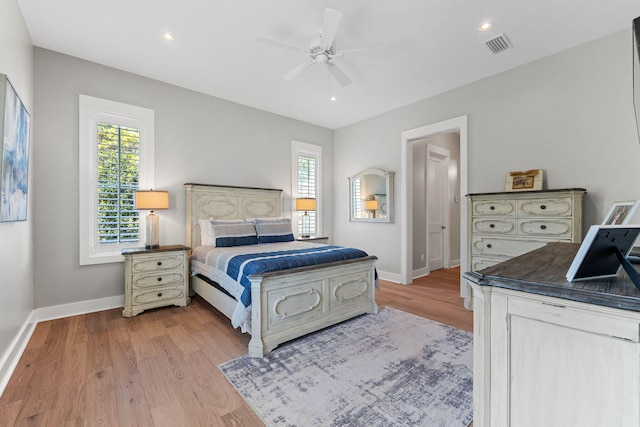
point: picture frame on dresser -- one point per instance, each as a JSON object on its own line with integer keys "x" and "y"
{"x": 621, "y": 213}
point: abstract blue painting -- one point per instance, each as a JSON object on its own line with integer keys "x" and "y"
{"x": 14, "y": 169}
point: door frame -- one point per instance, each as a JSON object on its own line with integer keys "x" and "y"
{"x": 458, "y": 124}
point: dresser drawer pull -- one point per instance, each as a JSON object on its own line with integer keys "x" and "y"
{"x": 159, "y": 262}
{"x": 492, "y": 226}
{"x": 543, "y": 207}
{"x": 543, "y": 227}
{"x": 489, "y": 245}
{"x": 159, "y": 294}
{"x": 493, "y": 208}
{"x": 159, "y": 279}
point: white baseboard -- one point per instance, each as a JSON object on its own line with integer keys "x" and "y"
{"x": 421, "y": 272}
{"x": 12, "y": 356}
{"x": 76, "y": 308}
{"x": 389, "y": 277}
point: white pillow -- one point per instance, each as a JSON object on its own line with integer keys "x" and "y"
{"x": 206, "y": 232}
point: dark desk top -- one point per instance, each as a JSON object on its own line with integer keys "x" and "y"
{"x": 543, "y": 272}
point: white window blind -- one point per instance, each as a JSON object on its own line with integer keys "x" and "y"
{"x": 306, "y": 181}
{"x": 307, "y": 187}
{"x": 118, "y": 179}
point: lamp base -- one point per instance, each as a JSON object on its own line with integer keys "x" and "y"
{"x": 152, "y": 231}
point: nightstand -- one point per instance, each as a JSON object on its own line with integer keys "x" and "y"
{"x": 319, "y": 240}
{"x": 155, "y": 278}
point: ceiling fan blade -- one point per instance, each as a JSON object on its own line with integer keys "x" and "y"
{"x": 284, "y": 45}
{"x": 330, "y": 26}
{"x": 291, "y": 74}
{"x": 338, "y": 74}
{"x": 340, "y": 53}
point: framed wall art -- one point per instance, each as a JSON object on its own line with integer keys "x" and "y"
{"x": 14, "y": 164}
{"x": 530, "y": 180}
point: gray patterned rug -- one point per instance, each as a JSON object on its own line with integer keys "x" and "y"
{"x": 387, "y": 369}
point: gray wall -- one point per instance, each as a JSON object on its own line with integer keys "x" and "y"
{"x": 199, "y": 139}
{"x": 570, "y": 114}
{"x": 16, "y": 238}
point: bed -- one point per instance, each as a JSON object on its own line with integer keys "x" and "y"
{"x": 285, "y": 304}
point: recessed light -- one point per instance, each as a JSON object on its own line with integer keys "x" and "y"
{"x": 486, "y": 26}
{"x": 168, "y": 36}
{"x": 333, "y": 98}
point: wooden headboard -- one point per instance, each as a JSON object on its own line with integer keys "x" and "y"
{"x": 225, "y": 202}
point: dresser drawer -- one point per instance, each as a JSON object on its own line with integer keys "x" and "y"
{"x": 559, "y": 228}
{"x": 157, "y": 263}
{"x": 494, "y": 225}
{"x": 480, "y": 263}
{"x": 545, "y": 207}
{"x": 494, "y": 207}
{"x": 489, "y": 246}
{"x": 168, "y": 278}
{"x": 158, "y": 295}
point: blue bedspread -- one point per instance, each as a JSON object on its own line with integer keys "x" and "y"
{"x": 240, "y": 267}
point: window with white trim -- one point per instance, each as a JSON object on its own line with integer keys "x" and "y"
{"x": 306, "y": 171}
{"x": 116, "y": 159}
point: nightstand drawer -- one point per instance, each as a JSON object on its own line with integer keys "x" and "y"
{"x": 158, "y": 295}
{"x": 156, "y": 262}
{"x": 161, "y": 279}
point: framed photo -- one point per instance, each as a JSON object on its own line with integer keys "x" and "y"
{"x": 14, "y": 163}
{"x": 602, "y": 251}
{"x": 621, "y": 213}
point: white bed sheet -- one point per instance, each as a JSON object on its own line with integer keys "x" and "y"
{"x": 212, "y": 262}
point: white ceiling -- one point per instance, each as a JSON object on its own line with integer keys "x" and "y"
{"x": 430, "y": 46}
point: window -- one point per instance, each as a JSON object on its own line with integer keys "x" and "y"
{"x": 116, "y": 159}
{"x": 306, "y": 171}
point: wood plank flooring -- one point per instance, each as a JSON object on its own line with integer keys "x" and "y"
{"x": 160, "y": 368}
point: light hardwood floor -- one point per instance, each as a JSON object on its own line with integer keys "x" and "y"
{"x": 159, "y": 368}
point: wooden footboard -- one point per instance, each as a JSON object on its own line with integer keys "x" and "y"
{"x": 298, "y": 301}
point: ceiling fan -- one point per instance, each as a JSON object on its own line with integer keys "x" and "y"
{"x": 321, "y": 49}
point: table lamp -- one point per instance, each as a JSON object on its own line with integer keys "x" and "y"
{"x": 305, "y": 204}
{"x": 371, "y": 206}
{"x": 152, "y": 200}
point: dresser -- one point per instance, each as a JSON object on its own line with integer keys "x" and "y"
{"x": 548, "y": 352}
{"x": 155, "y": 278}
{"x": 507, "y": 224}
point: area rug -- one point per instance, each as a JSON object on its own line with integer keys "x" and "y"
{"x": 387, "y": 369}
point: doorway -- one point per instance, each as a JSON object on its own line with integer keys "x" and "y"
{"x": 408, "y": 138}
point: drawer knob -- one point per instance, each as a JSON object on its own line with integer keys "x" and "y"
{"x": 489, "y": 245}
{"x": 543, "y": 207}
{"x": 492, "y": 226}
{"x": 159, "y": 279}
{"x": 543, "y": 227}
{"x": 159, "y": 294}
{"x": 159, "y": 262}
{"x": 493, "y": 208}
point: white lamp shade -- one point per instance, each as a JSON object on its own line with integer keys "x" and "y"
{"x": 151, "y": 199}
{"x": 305, "y": 204}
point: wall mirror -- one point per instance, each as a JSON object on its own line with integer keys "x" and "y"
{"x": 371, "y": 196}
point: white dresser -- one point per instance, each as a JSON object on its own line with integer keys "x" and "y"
{"x": 507, "y": 224}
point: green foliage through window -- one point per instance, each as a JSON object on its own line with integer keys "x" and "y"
{"x": 118, "y": 179}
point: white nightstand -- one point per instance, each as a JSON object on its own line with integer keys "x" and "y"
{"x": 155, "y": 278}
{"x": 319, "y": 240}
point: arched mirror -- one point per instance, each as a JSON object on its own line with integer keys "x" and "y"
{"x": 371, "y": 196}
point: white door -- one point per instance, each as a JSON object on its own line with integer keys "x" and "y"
{"x": 437, "y": 207}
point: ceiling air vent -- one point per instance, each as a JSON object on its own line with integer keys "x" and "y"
{"x": 498, "y": 44}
